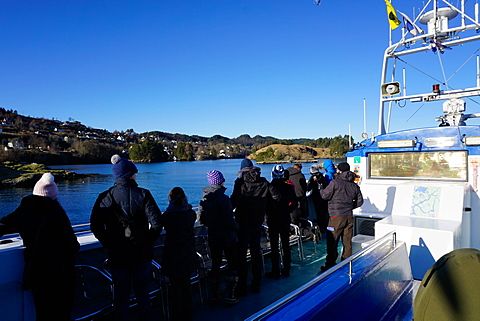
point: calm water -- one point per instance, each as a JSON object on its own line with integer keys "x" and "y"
{"x": 78, "y": 197}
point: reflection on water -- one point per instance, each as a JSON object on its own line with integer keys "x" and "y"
{"x": 77, "y": 197}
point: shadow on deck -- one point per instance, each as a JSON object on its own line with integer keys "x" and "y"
{"x": 302, "y": 271}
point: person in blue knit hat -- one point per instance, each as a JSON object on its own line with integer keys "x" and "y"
{"x": 126, "y": 220}
{"x": 123, "y": 168}
{"x": 217, "y": 214}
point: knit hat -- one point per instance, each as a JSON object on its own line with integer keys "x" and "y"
{"x": 278, "y": 171}
{"x": 246, "y": 163}
{"x": 343, "y": 167}
{"x": 314, "y": 169}
{"x": 46, "y": 187}
{"x": 123, "y": 168}
{"x": 215, "y": 178}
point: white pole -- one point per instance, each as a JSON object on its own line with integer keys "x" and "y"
{"x": 476, "y": 12}
{"x": 364, "y": 115}
{"x": 478, "y": 71}
{"x": 349, "y": 137}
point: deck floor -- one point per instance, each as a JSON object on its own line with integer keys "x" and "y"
{"x": 271, "y": 290}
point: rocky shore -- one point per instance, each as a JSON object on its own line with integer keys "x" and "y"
{"x": 26, "y": 175}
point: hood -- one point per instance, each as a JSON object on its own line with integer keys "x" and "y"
{"x": 329, "y": 167}
{"x": 213, "y": 191}
{"x": 293, "y": 171}
{"x": 347, "y": 176}
{"x": 175, "y": 208}
{"x": 251, "y": 175}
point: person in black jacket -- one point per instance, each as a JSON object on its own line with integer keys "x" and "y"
{"x": 126, "y": 220}
{"x": 343, "y": 195}
{"x": 50, "y": 247}
{"x": 217, "y": 214}
{"x": 298, "y": 179}
{"x": 249, "y": 199}
{"x": 278, "y": 221}
{"x": 179, "y": 260}
{"x": 315, "y": 183}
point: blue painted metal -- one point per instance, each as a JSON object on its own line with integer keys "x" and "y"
{"x": 380, "y": 277}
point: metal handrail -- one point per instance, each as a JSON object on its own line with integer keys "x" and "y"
{"x": 268, "y": 310}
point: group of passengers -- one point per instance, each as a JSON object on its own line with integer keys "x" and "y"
{"x": 127, "y": 222}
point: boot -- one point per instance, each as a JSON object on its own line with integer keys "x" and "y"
{"x": 214, "y": 296}
{"x": 231, "y": 295}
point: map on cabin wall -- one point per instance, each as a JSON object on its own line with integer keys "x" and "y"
{"x": 426, "y": 201}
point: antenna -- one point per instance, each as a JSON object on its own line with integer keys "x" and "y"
{"x": 364, "y": 134}
{"x": 364, "y": 115}
{"x": 349, "y": 137}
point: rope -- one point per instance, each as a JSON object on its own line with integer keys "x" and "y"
{"x": 443, "y": 70}
{"x": 463, "y": 65}
{"x": 415, "y": 112}
{"x": 437, "y": 80}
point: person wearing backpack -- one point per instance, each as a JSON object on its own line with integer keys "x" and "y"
{"x": 126, "y": 220}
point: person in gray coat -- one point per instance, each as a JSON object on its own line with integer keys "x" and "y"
{"x": 343, "y": 195}
{"x": 217, "y": 214}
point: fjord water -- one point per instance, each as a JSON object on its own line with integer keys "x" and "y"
{"x": 77, "y": 197}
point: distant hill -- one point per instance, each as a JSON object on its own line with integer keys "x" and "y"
{"x": 289, "y": 153}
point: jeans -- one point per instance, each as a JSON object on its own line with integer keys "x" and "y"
{"x": 138, "y": 275}
{"x": 250, "y": 238}
{"x": 339, "y": 226}
{"x": 282, "y": 233}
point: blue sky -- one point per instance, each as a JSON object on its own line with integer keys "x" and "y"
{"x": 288, "y": 69}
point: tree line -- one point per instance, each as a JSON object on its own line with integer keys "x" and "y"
{"x": 28, "y": 139}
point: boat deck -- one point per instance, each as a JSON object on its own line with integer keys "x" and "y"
{"x": 302, "y": 272}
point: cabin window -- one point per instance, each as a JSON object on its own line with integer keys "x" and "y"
{"x": 438, "y": 165}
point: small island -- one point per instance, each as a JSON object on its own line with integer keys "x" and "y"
{"x": 26, "y": 175}
{"x": 283, "y": 154}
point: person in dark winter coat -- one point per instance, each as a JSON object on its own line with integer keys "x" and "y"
{"x": 249, "y": 199}
{"x": 217, "y": 214}
{"x": 297, "y": 177}
{"x": 278, "y": 221}
{"x": 343, "y": 195}
{"x": 126, "y": 220}
{"x": 179, "y": 257}
{"x": 315, "y": 183}
{"x": 50, "y": 247}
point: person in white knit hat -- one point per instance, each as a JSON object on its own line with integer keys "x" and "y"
{"x": 50, "y": 247}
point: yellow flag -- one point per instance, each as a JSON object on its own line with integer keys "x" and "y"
{"x": 392, "y": 16}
